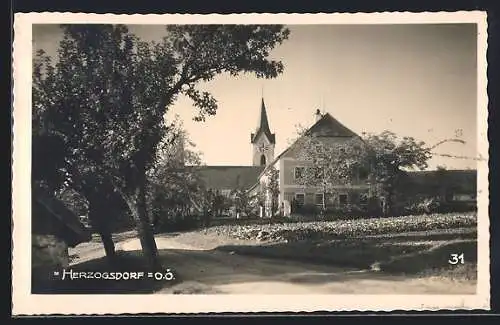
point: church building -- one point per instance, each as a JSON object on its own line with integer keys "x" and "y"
{"x": 263, "y": 140}
{"x": 225, "y": 179}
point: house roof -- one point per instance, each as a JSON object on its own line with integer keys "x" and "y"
{"x": 463, "y": 181}
{"x": 263, "y": 126}
{"x": 74, "y": 231}
{"x": 326, "y": 126}
{"x": 228, "y": 177}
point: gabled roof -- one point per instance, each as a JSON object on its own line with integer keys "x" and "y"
{"x": 73, "y": 231}
{"x": 263, "y": 126}
{"x": 326, "y": 126}
{"x": 228, "y": 177}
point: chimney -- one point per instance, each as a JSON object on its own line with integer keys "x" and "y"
{"x": 318, "y": 115}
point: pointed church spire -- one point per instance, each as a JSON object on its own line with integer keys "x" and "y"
{"x": 263, "y": 124}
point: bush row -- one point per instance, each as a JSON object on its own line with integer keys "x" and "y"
{"x": 294, "y": 231}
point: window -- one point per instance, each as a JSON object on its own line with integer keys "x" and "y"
{"x": 343, "y": 199}
{"x": 329, "y": 200}
{"x": 262, "y": 160}
{"x": 319, "y": 199}
{"x": 299, "y": 172}
{"x": 289, "y": 196}
{"x": 300, "y": 198}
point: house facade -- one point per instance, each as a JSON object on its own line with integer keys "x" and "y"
{"x": 290, "y": 166}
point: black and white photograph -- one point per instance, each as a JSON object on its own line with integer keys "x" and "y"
{"x": 196, "y": 160}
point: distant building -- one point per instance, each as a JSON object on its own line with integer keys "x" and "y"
{"x": 453, "y": 187}
{"x": 225, "y": 179}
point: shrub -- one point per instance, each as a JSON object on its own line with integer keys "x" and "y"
{"x": 349, "y": 211}
{"x": 308, "y": 209}
{"x": 430, "y": 205}
{"x": 348, "y": 228}
{"x": 425, "y": 205}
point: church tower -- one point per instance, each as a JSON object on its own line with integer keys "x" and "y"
{"x": 263, "y": 140}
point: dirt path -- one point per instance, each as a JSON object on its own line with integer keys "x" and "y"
{"x": 93, "y": 249}
{"x": 200, "y": 269}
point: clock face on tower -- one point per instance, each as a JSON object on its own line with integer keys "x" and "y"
{"x": 262, "y": 147}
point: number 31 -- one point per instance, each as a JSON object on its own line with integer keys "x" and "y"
{"x": 456, "y": 258}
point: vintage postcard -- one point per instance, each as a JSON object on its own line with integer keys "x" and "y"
{"x": 250, "y": 163}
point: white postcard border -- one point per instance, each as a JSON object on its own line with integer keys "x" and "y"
{"x": 25, "y": 303}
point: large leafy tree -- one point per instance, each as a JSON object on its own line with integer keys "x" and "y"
{"x": 241, "y": 200}
{"x": 100, "y": 109}
{"x": 173, "y": 184}
{"x": 389, "y": 156}
{"x": 270, "y": 190}
{"x": 330, "y": 164}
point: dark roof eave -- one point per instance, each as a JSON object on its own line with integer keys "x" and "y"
{"x": 253, "y": 187}
{"x": 70, "y": 222}
{"x": 270, "y": 136}
{"x": 229, "y": 176}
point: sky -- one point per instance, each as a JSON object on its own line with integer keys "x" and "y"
{"x": 415, "y": 80}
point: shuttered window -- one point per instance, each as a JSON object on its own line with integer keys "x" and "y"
{"x": 298, "y": 172}
{"x": 300, "y": 198}
{"x": 319, "y": 199}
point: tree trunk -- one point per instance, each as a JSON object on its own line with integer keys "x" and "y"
{"x": 100, "y": 224}
{"x": 109, "y": 245}
{"x": 323, "y": 207}
{"x": 145, "y": 231}
{"x": 389, "y": 203}
{"x": 137, "y": 206}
